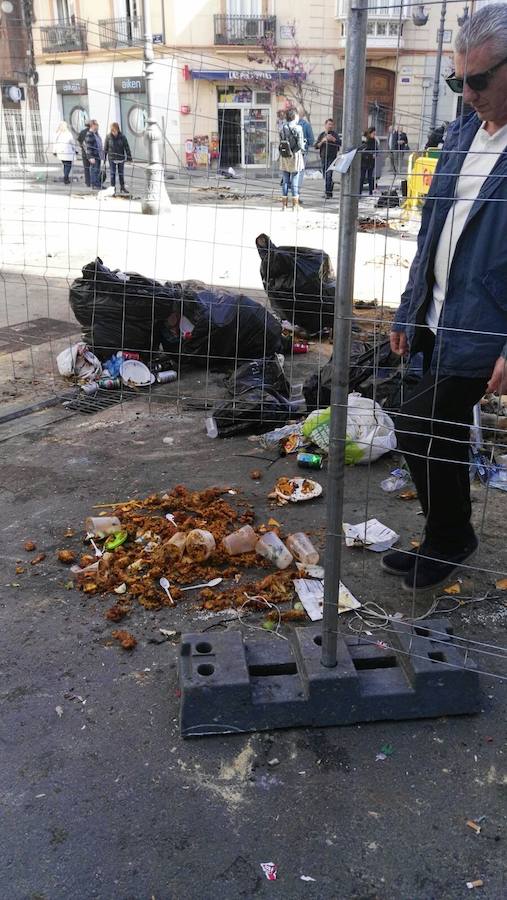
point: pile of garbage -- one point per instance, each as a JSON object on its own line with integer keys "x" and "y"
{"x": 157, "y": 551}
{"x": 127, "y": 316}
{"x": 370, "y": 434}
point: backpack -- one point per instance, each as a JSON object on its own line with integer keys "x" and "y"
{"x": 289, "y": 143}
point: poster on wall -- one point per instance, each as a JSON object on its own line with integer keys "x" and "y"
{"x": 214, "y": 145}
{"x": 189, "y": 154}
{"x": 201, "y": 149}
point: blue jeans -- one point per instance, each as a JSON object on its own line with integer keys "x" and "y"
{"x": 112, "y": 171}
{"x": 290, "y": 180}
{"x": 95, "y": 181}
{"x": 67, "y": 166}
{"x": 328, "y": 177}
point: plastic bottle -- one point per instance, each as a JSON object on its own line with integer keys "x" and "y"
{"x": 98, "y": 526}
{"x": 302, "y": 548}
{"x": 211, "y": 427}
{"x": 271, "y": 547}
{"x": 200, "y": 544}
{"x": 296, "y": 400}
{"x": 176, "y": 546}
{"x": 396, "y": 480}
{"x": 242, "y": 541}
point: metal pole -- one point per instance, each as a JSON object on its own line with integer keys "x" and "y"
{"x": 436, "y": 82}
{"x": 355, "y": 71}
{"x": 156, "y": 199}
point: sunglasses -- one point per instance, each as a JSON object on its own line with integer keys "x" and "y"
{"x": 478, "y": 82}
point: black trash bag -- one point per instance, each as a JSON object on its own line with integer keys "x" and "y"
{"x": 388, "y": 200}
{"x": 120, "y": 314}
{"x": 260, "y": 373}
{"x": 375, "y": 372}
{"x": 225, "y": 327}
{"x": 253, "y": 411}
{"x": 299, "y": 282}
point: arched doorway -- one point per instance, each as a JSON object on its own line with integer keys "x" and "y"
{"x": 378, "y": 99}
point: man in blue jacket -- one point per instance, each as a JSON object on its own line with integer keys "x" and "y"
{"x": 454, "y": 308}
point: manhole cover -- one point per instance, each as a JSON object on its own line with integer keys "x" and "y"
{"x": 38, "y": 331}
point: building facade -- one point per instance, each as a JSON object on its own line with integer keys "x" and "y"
{"x": 218, "y": 83}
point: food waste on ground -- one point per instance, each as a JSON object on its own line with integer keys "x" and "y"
{"x": 131, "y": 572}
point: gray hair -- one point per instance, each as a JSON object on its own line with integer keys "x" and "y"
{"x": 488, "y": 24}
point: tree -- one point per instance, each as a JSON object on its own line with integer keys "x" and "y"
{"x": 294, "y": 70}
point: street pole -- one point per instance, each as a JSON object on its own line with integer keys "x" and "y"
{"x": 438, "y": 65}
{"x": 156, "y": 199}
{"x": 355, "y": 72}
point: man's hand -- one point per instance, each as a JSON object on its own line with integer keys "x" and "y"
{"x": 331, "y": 138}
{"x": 497, "y": 384}
{"x": 399, "y": 343}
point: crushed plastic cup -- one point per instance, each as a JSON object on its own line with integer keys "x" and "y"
{"x": 176, "y": 546}
{"x": 396, "y": 481}
{"x": 302, "y": 548}
{"x": 99, "y": 526}
{"x": 242, "y": 541}
{"x": 200, "y": 544}
{"x": 273, "y": 549}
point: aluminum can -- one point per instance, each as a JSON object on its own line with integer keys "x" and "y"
{"x": 309, "y": 461}
{"x": 166, "y": 377}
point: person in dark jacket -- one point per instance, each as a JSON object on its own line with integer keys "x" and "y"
{"x": 454, "y": 308}
{"x": 328, "y": 144}
{"x": 436, "y": 137}
{"x": 81, "y": 141}
{"x": 117, "y": 151}
{"x": 369, "y": 149}
{"x": 94, "y": 153}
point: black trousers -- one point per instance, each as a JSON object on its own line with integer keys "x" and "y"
{"x": 433, "y": 431}
{"x": 367, "y": 170}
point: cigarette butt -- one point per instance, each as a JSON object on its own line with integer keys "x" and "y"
{"x": 473, "y": 884}
{"x": 474, "y": 826}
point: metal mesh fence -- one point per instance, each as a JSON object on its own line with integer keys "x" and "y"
{"x": 234, "y": 273}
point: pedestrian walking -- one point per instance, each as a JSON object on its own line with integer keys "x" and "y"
{"x": 65, "y": 149}
{"x": 454, "y": 308}
{"x": 86, "y": 164}
{"x": 117, "y": 151}
{"x": 291, "y": 149}
{"x": 368, "y": 150}
{"x": 94, "y": 153}
{"x": 309, "y": 138}
{"x": 328, "y": 144}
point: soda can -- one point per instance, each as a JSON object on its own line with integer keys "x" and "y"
{"x": 110, "y": 384}
{"x": 166, "y": 377}
{"x": 309, "y": 461}
{"x": 300, "y": 347}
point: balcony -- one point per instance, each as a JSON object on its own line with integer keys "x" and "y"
{"x": 240, "y": 31}
{"x": 385, "y": 23}
{"x": 115, "y": 33}
{"x": 64, "y": 37}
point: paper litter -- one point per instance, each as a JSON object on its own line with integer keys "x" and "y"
{"x": 311, "y": 594}
{"x": 371, "y": 534}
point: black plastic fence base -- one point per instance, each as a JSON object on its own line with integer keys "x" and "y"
{"x": 230, "y": 684}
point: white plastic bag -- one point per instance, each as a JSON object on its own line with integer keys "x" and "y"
{"x": 79, "y": 360}
{"x": 369, "y": 428}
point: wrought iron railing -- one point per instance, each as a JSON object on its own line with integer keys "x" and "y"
{"x": 241, "y": 30}
{"x": 126, "y": 32}
{"x": 64, "y": 37}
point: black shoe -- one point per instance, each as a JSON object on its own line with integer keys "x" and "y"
{"x": 436, "y": 567}
{"x": 66, "y": 180}
{"x": 399, "y": 562}
{"x": 329, "y": 196}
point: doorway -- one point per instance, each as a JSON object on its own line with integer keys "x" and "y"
{"x": 133, "y": 119}
{"x": 229, "y": 137}
{"x": 75, "y": 111}
{"x": 378, "y": 99}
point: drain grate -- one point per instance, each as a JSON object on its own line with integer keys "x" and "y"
{"x": 103, "y": 399}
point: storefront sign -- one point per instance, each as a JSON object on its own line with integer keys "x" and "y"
{"x": 134, "y": 85}
{"x": 244, "y": 75}
{"x": 72, "y": 86}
